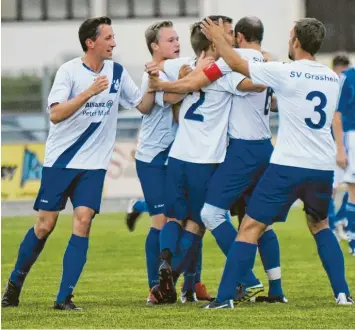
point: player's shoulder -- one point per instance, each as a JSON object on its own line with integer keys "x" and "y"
{"x": 349, "y": 73}
{"x": 71, "y": 65}
{"x": 178, "y": 62}
{"x": 250, "y": 54}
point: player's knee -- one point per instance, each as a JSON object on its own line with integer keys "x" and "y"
{"x": 158, "y": 221}
{"x": 45, "y": 224}
{"x": 250, "y": 230}
{"x": 351, "y": 192}
{"x": 82, "y": 221}
{"x": 194, "y": 227}
{"x": 212, "y": 216}
{"x": 316, "y": 225}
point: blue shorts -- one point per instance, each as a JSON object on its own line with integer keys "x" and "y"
{"x": 242, "y": 168}
{"x": 186, "y": 187}
{"x": 280, "y": 186}
{"x": 152, "y": 178}
{"x": 83, "y": 187}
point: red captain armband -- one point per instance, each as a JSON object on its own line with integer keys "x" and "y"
{"x": 213, "y": 72}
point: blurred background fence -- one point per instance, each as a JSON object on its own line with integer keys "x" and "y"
{"x": 39, "y": 35}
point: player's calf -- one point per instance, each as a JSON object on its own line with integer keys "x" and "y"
{"x": 330, "y": 254}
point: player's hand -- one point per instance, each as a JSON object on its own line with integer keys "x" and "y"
{"x": 154, "y": 83}
{"x": 203, "y": 61}
{"x": 342, "y": 159}
{"x": 211, "y": 30}
{"x": 99, "y": 85}
{"x": 152, "y": 68}
{"x": 184, "y": 71}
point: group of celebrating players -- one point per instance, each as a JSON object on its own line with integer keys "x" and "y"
{"x": 204, "y": 151}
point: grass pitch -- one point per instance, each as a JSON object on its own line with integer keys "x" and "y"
{"x": 113, "y": 287}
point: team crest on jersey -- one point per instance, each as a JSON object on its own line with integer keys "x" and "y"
{"x": 115, "y": 84}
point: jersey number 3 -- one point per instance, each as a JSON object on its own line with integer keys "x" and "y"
{"x": 190, "y": 114}
{"x": 319, "y": 108}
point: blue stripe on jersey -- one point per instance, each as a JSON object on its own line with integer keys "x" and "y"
{"x": 86, "y": 67}
{"x": 162, "y": 156}
{"x": 64, "y": 159}
{"x": 116, "y": 77}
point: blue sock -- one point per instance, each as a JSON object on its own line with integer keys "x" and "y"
{"x": 73, "y": 264}
{"x": 28, "y": 253}
{"x": 331, "y": 214}
{"x": 333, "y": 260}
{"x": 140, "y": 206}
{"x": 269, "y": 251}
{"x": 152, "y": 254}
{"x": 189, "y": 277}
{"x": 240, "y": 261}
{"x": 225, "y": 235}
{"x": 199, "y": 263}
{"x": 188, "y": 247}
{"x": 341, "y": 214}
{"x": 350, "y": 214}
{"x": 169, "y": 236}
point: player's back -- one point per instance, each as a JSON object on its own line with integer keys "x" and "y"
{"x": 203, "y": 123}
{"x": 346, "y": 104}
{"x": 307, "y": 93}
{"x": 249, "y": 117}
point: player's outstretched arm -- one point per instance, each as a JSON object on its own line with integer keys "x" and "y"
{"x": 247, "y": 85}
{"x": 61, "y": 111}
{"x": 216, "y": 34}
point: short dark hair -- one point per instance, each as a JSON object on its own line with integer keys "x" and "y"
{"x": 152, "y": 33}
{"x": 341, "y": 59}
{"x": 225, "y": 19}
{"x": 89, "y": 29}
{"x": 199, "y": 42}
{"x": 310, "y": 32}
{"x": 251, "y": 28}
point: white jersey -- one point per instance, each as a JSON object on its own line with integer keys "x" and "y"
{"x": 203, "y": 122}
{"x": 249, "y": 117}
{"x": 158, "y": 128}
{"x": 86, "y": 139}
{"x": 307, "y": 93}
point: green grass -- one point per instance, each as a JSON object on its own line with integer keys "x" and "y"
{"x": 113, "y": 286}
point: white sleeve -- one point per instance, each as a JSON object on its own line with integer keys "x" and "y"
{"x": 61, "y": 88}
{"x": 271, "y": 74}
{"x": 159, "y": 96}
{"x": 172, "y": 67}
{"x": 131, "y": 95}
{"x": 223, "y": 66}
{"x": 230, "y": 81}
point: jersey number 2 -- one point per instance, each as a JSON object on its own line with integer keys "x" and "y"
{"x": 190, "y": 114}
{"x": 319, "y": 108}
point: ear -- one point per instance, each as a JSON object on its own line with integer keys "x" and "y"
{"x": 296, "y": 43}
{"x": 154, "y": 46}
{"x": 90, "y": 43}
